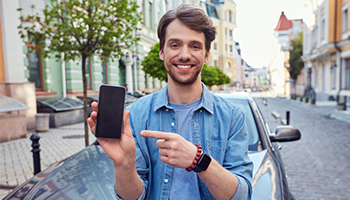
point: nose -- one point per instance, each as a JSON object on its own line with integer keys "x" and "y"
{"x": 185, "y": 54}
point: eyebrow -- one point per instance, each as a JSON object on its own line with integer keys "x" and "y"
{"x": 178, "y": 40}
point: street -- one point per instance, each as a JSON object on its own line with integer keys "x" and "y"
{"x": 318, "y": 164}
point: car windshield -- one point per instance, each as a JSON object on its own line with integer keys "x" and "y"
{"x": 250, "y": 122}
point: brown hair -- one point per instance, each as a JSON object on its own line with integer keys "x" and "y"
{"x": 194, "y": 18}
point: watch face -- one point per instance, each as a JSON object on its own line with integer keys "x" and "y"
{"x": 204, "y": 162}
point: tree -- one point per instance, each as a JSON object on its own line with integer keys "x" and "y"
{"x": 295, "y": 61}
{"x": 80, "y": 29}
{"x": 213, "y": 76}
{"x": 154, "y": 66}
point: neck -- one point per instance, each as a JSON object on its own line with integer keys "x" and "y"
{"x": 184, "y": 94}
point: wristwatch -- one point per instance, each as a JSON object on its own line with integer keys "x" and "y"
{"x": 203, "y": 163}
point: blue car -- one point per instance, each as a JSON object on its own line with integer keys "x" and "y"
{"x": 89, "y": 174}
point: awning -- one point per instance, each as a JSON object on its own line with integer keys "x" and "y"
{"x": 60, "y": 104}
{"x": 8, "y": 104}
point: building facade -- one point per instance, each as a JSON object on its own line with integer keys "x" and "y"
{"x": 26, "y": 76}
{"x": 13, "y": 81}
{"x": 224, "y": 52}
{"x": 284, "y": 33}
{"x": 326, "y": 51}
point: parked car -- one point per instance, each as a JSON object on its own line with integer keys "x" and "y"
{"x": 88, "y": 174}
{"x": 269, "y": 177}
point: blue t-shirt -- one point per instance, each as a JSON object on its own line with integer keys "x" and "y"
{"x": 184, "y": 184}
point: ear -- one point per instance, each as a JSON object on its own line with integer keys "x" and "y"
{"x": 161, "y": 54}
{"x": 207, "y": 57}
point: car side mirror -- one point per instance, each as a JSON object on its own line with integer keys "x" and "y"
{"x": 285, "y": 134}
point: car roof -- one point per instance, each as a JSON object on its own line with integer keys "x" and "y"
{"x": 234, "y": 95}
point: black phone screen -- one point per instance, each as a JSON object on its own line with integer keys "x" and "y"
{"x": 110, "y": 109}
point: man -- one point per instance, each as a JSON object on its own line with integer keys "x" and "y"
{"x": 161, "y": 130}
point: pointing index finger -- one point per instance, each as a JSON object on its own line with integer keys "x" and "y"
{"x": 156, "y": 134}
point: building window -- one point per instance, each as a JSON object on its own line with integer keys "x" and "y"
{"x": 143, "y": 13}
{"x": 228, "y": 68}
{"x": 215, "y": 48}
{"x": 347, "y": 73}
{"x": 35, "y": 66}
{"x": 150, "y": 16}
{"x": 345, "y": 20}
{"x": 215, "y": 63}
{"x": 230, "y": 32}
{"x": 105, "y": 71}
{"x": 332, "y": 82}
{"x": 88, "y": 73}
{"x": 229, "y": 16}
{"x": 316, "y": 76}
{"x": 231, "y": 48}
{"x": 211, "y": 10}
{"x": 323, "y": 27}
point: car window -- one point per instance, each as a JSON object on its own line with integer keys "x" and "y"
{"x": 254, "y": 140}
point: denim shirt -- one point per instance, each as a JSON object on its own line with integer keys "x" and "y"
{"x": 216, "y": 124}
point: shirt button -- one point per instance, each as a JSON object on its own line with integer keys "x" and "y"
{"x": 172, "y": 124}
{"x": 166, "y": 180}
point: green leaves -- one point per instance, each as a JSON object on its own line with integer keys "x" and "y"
{"x": 89, "y": 27}
{"x": 213, "y": 76}
{"x": 295, "y": 61}
{"x": 154, "y": 66}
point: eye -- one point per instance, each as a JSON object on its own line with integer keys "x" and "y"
{"x": 174, "y": 45}
{"x": 196, "y": 46}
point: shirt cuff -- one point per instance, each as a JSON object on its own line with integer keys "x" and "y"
{"x": 142, "y": 196}
{"x": 242, "y": 191}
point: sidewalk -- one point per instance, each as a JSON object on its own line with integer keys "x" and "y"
{"x": 328, "y": 108}
{"x": 16, "y": 158}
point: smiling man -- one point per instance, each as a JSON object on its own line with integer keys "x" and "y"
{"x": 182, "y": 142}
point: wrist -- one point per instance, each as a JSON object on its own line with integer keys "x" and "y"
{"x": 126, "y": 163}
{"x": 196, "y": 159}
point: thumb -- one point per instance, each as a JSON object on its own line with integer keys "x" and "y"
{"x": 126, "y": 124}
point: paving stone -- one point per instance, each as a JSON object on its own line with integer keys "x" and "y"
{"x": 317, "y": 165}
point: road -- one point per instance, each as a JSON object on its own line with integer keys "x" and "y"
{"x": 317, "y": 165}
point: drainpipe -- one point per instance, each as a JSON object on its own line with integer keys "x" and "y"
{"x": 135, "y": 63}
{"x": 63, "y": 66}
{"x": 338, "y": 50}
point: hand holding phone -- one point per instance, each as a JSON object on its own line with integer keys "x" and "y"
{"x": 109, "y": 120}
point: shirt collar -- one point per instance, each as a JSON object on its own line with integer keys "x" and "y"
{"x": 207, "y": 100}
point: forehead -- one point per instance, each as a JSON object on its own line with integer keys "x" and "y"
{"x": 177, "y": 30}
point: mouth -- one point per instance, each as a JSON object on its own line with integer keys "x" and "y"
{"x": 184, "y": 66}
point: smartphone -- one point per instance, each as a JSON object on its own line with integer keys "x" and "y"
{"x": 110, "y": 110}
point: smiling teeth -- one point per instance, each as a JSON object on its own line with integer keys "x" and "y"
{"x": 184, "y": 66}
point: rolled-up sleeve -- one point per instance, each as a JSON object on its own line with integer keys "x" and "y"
{"x": 242, "y": 191}
{"x": 237, "y": 160}
{"x": 142, "y": 196}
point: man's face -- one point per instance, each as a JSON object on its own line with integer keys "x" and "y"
{"x": 183, "y": 53}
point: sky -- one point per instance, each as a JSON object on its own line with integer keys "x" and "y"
{"x": 256, "y": 20}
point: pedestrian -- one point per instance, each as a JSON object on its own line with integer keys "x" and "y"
{"x": 182, "y": 142}
{"x": 127, "y": 89}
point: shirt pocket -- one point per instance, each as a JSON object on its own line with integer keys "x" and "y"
{"x": 217, "y": 149}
